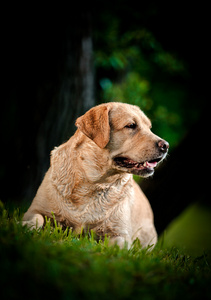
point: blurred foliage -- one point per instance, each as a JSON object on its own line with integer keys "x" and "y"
{"x": 191, "y": 230}
{"x": 132, "y": 66}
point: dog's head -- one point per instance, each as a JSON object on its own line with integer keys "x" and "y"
{"x": 124, "y": 130}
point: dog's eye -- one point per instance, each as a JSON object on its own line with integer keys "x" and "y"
{"x": 132, "y": 126}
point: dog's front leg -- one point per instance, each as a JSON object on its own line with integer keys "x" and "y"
{"x": 33, "y": 221}
{"x": 121, "y": 241}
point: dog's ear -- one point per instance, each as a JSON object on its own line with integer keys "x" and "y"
{"x": 62, "y": 174}
{"x": 95, "y": 124}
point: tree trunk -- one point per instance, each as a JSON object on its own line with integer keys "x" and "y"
{"x": 74, "y": 93}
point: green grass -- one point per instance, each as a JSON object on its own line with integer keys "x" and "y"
{"x": 56, "y": 264}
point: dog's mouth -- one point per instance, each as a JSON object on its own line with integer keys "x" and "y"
{"x": 131, "y": 164}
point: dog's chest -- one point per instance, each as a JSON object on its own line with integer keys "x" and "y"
{"x": 106, "y": 211}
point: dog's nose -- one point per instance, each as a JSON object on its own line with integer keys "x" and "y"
{"x": 163, "y": 146}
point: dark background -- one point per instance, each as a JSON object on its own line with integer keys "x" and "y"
{"x": 52, "y": 73}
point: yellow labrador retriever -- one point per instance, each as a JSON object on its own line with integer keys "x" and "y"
{"x": 89, "y": 183}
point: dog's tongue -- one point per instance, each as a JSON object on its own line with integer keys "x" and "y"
{"x": 150, "y": 164}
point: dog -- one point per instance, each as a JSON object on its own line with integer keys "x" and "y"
{"x": 89, "y": 184}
